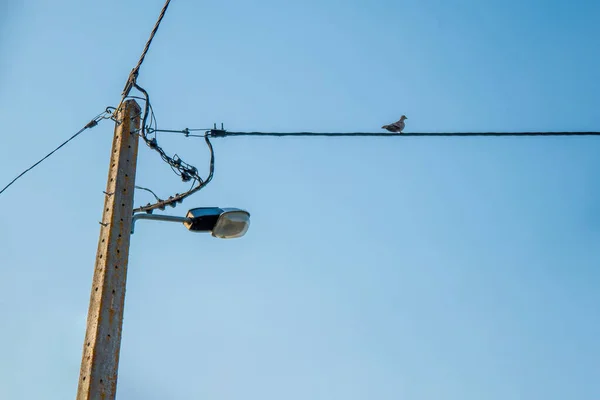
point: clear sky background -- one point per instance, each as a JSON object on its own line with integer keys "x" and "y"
{"x": 374, "y": 268}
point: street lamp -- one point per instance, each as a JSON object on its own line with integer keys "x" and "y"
{"x": 102, "y": 345}
{"x": 223, "y": 223}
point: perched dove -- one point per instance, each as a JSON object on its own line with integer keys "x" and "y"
{"x": 396, "y": 127}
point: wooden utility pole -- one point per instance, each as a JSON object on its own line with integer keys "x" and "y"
{"x": 100, "y": 361}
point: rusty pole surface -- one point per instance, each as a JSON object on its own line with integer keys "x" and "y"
{"x": 100, "y": 360}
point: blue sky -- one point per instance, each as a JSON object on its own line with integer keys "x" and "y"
{"x": 416, "y": 268}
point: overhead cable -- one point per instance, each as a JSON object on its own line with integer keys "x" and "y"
{"x": 104, "y": 115}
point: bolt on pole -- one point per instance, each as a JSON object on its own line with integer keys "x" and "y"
{"x": 100, "y": 360}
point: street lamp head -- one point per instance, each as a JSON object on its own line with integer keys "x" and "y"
{"x": 224, "y": 223}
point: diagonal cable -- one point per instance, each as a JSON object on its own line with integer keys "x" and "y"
{"x": 136, "y": 70}
{"x": 89, "y": 125}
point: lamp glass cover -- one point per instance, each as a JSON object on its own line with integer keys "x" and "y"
{"x": 232, "y": 224}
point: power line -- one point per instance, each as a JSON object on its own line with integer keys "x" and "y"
{"x": 106, "y": 114}
{"x": 217, "y": 133}
{"x": 178, "y": 198}
{"x": 188, "y": 172}
{"x": 135, "y": 71}
{"x": 184, "y": 170}
{"x": 185, "y": 131}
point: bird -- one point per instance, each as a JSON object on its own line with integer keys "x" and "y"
{"x": 397, "y": 126}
